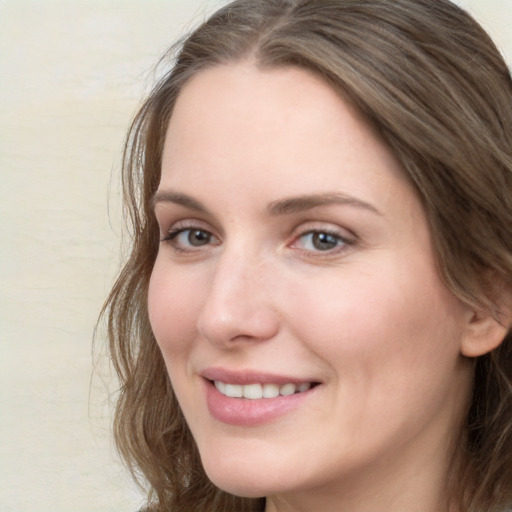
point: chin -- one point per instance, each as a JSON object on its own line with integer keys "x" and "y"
{"x": 238, "y": 486}
{"x": 242, "y": 479}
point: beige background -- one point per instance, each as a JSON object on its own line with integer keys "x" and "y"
{"x": 71, "y": 76}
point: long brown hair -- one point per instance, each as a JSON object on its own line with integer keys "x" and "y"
{"x": 431, "y": 81}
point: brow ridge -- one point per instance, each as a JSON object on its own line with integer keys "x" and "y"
{"x": 307, "y": 202}
{"x": 285, "y": 206}
{"x": 171, "y": 196}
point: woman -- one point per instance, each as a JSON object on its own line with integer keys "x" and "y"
{"x": 316, "y": 311}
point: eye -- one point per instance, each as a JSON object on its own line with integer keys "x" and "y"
{"x": 320, "y": 241}
{"x": 189, "y": 239}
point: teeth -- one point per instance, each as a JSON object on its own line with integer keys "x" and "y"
{"x": 304, "y": 387}
{"x": 234, "y": 390}
{"x": 287, "y": 389}
{"x": 257, "y": 391}
{"x": 270, "y": 390}
{"x": 221, "y": 386}
{"x": 252, "y": 391}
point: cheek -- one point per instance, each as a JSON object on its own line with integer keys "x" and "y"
{"x": 392, "y": 348}
{"x": 173, "y": 307}
{"x": 381, "y": 321}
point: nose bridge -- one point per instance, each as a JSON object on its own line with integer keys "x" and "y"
{"x": 238, "y": 305}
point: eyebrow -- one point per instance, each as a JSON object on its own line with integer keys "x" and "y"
{"x": 275, "y": 208}
{"x": 170, "y": 196}
{"x": 307, "y": 202}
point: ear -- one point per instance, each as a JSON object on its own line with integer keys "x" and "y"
{"x": 487, "y": 329}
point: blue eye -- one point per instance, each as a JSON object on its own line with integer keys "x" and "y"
{"x": 320, "y": 241}
{"x": 189, "y": 238}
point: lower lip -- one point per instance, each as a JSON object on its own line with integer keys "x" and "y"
{"x": 246, "y": 412}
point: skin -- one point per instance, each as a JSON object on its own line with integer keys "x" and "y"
{"x": 367, "y": 316}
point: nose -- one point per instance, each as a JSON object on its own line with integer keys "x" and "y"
{"x": 239, "y": 304}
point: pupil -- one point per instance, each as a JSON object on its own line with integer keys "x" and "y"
{"x": 198, "y": 237}
{"x": 324, "y": 241}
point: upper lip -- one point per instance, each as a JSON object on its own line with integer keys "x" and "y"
{"x": 250, "y": 377}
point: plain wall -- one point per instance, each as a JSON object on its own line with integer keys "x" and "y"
{"x": 71, "y": 76}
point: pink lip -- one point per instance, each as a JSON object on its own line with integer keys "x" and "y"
{"x": 248, "y": 377}
{"x": 246, "y": 412}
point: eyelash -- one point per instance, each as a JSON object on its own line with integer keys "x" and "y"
{"x": 173, "y": 234}
{"x": 342, "y": 243}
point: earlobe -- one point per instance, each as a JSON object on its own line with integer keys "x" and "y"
{"x": 485, "y": 332}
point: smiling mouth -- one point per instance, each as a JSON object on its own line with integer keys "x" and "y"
{"x": 258, "y": 391}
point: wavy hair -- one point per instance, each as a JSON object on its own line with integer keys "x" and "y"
{"x": 433, "y": 84}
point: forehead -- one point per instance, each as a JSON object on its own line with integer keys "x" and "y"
{"x": 241, "y": 99}
{"x": 284, "y": 130}
{"x": 291, "y": 93}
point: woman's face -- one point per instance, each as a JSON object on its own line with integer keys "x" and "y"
{"x": 308, "y": 337}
